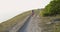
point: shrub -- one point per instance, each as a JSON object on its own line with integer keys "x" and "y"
{"x": 52, "y": 9}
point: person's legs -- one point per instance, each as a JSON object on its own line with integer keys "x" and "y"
{"x": 32, "y": 14}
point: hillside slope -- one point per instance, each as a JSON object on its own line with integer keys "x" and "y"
{"x": 13, "y": 21}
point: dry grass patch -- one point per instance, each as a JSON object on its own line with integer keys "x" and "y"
{"x": 53, "y": 27}
{"x": 13, "y": 21}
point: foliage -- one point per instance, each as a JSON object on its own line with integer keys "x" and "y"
{"x": 52, "y": 9}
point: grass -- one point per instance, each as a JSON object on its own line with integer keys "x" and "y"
{"x": 19, "y": 18}
{"x": 11, "y": 22}
{"x": 55, "y": 27}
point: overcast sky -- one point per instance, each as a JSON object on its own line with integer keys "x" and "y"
{"x": 11, "y": 8}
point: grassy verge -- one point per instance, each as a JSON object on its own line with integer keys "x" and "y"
{"x": 11, "y": 22}
{"x": 55, "y": 27}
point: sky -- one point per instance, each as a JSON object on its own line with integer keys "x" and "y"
{"x": 11, "y": 8}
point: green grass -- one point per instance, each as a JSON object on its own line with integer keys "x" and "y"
{"x": 11, "y": 22}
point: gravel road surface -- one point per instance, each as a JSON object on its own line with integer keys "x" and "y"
{"x": 31, "y": 25}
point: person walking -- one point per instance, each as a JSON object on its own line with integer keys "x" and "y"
{"x": 32, "y": 12}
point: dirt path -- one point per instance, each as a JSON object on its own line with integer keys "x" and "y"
{"x": 31, "y": 25}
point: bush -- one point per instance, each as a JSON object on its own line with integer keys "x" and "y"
{"x": 52, "y": 9}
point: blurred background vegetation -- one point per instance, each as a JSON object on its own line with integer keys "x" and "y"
{"x": 53, "y": 8}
